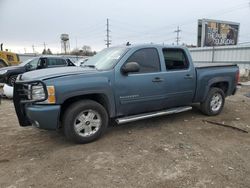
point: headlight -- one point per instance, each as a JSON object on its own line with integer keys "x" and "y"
{"x": 3, "y": 71}
{"x": 38, "y": 93}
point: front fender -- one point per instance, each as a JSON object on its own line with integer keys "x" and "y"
{"x": 69, "y": 88}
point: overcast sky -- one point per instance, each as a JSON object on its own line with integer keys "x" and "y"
{"x": 24, "y": 23}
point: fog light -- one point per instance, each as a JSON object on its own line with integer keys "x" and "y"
{"x": 36, "y": 124}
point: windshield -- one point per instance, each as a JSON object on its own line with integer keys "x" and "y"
{"x": 106, "y": 59}
{"x": 29, "y": 61}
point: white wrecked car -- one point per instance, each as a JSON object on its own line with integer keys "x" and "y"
{"x": 8, "y": 91}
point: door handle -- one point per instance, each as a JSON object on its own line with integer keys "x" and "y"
{"x": 188, "y": 76}
{"x": 157, "y": 79}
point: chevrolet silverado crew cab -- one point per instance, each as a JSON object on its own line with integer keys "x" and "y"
{"x": 9, "y": 74}
{"x": 124, "y": 84}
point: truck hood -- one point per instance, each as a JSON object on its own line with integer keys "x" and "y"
{"x": 11, "y": 68}
{"x": 44, "y": 74}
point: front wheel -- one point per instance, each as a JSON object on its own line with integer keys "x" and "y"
{"x": 214, "y": 102}
{"x": 85, "y": 121}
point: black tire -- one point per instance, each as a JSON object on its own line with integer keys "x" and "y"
{"x": 82, "y": 108}
{"x": 11, "y": 80}
{"x": 207, "y": 107}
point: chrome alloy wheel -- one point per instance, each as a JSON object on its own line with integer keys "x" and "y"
{"x": 87, "y": 123}
{"x": 216, "y": 102}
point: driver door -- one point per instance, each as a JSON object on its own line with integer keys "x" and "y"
{"x": 142, "y": 91}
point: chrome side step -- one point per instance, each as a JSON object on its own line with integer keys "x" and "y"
{"x": 152, "y": 114}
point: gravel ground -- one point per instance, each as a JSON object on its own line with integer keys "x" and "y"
{"x": 172, "y": 151}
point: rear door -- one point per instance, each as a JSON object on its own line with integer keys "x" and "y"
{"x": 141, "y": 91}
{"x": 180, "y": 77}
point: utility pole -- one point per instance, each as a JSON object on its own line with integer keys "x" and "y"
{"x": 177, "y": 35}
{"x": 76, "y": 42}
{"x": 108, "y": 41}
{"x": 33, "y": 48}
{"x": 44, "y": 44}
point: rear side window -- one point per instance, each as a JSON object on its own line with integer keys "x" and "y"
{"x": 60, "y": 62}
{"x": 56, "y": 62}
{"x": 147, "y": 58}
{"x": 175, "y": 59}
{"x": 51, "y": 61}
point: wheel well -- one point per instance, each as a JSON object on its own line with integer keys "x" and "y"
{"x": 8, "y": 77}
{"x": 100, "y": 98}
{"x": 221, "y": 85}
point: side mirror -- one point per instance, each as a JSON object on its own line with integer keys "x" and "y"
{"x": 39, "y": 66}
{"x": 28, "y": 67}
{"x": 130, "y": 67}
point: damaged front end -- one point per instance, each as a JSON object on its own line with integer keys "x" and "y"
{"x": 23, "y": 98}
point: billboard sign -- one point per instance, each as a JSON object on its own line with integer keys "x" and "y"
{"x": 217, "y": 33}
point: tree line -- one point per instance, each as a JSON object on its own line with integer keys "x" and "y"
{"x": 83, "y": 51}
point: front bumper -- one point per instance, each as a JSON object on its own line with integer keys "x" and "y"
{"x": 43, "y": 116}
{"x": 31, "y": 112}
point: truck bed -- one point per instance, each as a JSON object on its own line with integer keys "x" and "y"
{"x": 207, "y": 73}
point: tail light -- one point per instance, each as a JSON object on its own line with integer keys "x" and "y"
{"x": 237, "y": 77}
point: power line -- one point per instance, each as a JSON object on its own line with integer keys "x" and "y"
{"x": 149, "y": 33}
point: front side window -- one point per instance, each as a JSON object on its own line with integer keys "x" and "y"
{"x": 32, "y": 64}
{"x": 147, "y": 58}
{"x": 175, "y": 59}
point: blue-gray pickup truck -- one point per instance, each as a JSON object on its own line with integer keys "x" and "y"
{"x": 125, "y": 84}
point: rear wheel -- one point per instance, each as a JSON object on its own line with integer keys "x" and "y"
{"x": 85, "y": 121}
{"x": 11, "y": 80}
{"x": 214, "y": 102}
